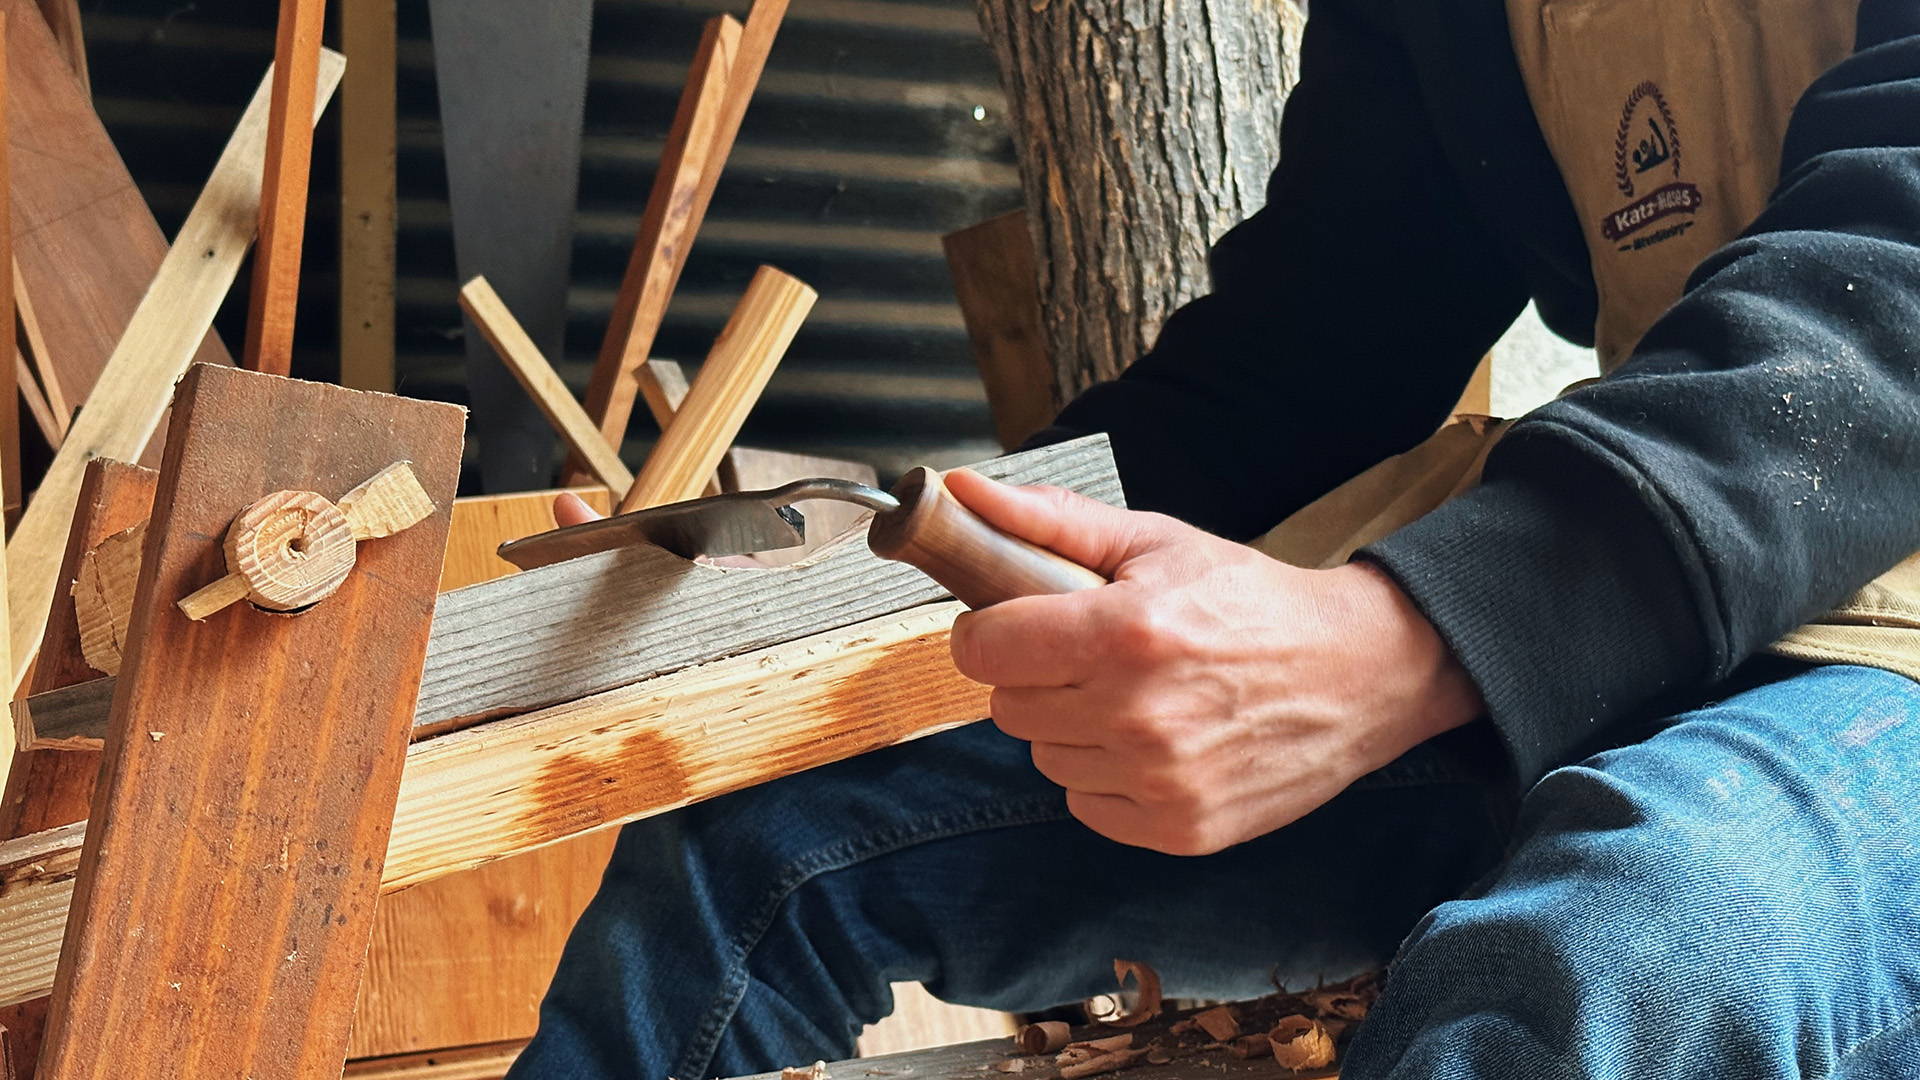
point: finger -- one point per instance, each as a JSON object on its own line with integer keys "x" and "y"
{"x": 1083, "y": 770}
{"x": 571, "y": 509}
{"x": 1087, "y": 531}
{"x": 1027, "y": 641}
{"x": 1120, "y": 819}
{"x": 1047, "y": 714}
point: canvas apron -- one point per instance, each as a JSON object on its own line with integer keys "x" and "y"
{"x": 1666, "y": 119}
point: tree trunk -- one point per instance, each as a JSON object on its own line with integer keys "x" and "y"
{"x": 1144, "y": 132}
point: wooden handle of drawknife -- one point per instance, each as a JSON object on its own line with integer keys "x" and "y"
{"x": 978, "y": 563}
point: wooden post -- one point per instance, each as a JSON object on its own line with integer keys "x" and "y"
{"x": 283, "y": 190}
{"x": 681, "y": 190}
{"x": 999, "y": 292}
{"x": 286, "y": 743}
{"x": 131, "y": 396}
{"x": 10, "y": 387}
{"x": 729, "y": 383}
{"x": 1137, "y": 150}
{"x": 367, "y": 201}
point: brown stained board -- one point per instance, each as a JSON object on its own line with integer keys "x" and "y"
{"x": 368, "y": 207}
{"x": 129, "y": 402}
{"x": 513, "y": 786}
{"x": 241, "y": 958}
{"x": 488, "y": 1062}
{"x": 86, "y": 244}
{"x": 10, "y": 388}
{"x": 667, "y": 227}
{"x": 465, "y": 960}
{"x": 283, "y": 189}
{"x": 998, "y": 287}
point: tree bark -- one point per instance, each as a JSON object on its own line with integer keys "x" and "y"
{"x": 1144, "y": 131}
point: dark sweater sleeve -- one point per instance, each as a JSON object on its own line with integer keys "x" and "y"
{"x": 1345, "y": 317}
{"x": 1751, "y": 465}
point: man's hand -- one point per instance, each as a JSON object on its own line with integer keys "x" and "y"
{"x": 1210, "y": 694}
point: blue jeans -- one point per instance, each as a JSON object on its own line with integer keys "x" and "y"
{"x": 1736, "y": 895}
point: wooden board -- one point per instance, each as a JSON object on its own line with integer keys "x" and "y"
{"x": 489, "y": 1062}
{"x": 368, "y": 214}
{"x": 240, "y": 958}
{"x": 10, "y": 386}
{"x": 466, "y": 959}
{"x": 86, "y": 244}
{"x": 161, "y": 337}
{"x": 998, "y": 287}
{"x": 283, "y": 187}
{"x": 512, "y": 786}
{"x": 32, "y": 340}
{"x": 576, "y": 628}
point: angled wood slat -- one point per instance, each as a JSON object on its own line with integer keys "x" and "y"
{"x": 576, "y": 628}
{"x": 283, "y": 189}
{"x": 133, "y": 390}
{"x": 241, "y": 958}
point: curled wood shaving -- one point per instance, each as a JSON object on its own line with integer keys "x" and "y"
{"x": 1122, "y": 1041}
{"x": 1148, "y": 1005}
{"x": 1301, "y": 1043}
{"x": 815, "y": 1071}
{"x": 1218, "y": 1022}
{"x": 1105, "y": 1063}
{"x": 1044, "y": 1037}
{"x": 1344, "y": 1004}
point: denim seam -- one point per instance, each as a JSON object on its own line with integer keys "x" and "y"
{"x": 840, "y": 856}
{"x": 1892, "y": 1027}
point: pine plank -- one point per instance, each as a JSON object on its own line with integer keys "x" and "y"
{"x": 287, "y": 745}
{"x": 465, "y": 960}
{"x": 60, "y": 413}
{"x": 283, "y": 190}
{"x": 576, "y": 628}
{"x": 131, "y": 396}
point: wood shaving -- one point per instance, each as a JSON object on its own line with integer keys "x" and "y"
{"x": 1148, "y": 1005}
{"x": 1105, "y": 1063}
{"x": 815, "y": 1071}
{"x": 1300, "y": 1042}
{"x": 1250, "y": 1046}
{"x": 1044, "y": 1037}
{"x": 1218, "y": 1022}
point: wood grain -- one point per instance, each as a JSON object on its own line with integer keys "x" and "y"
{"x": 161, "y": 337}
{"x": 466, "y": 959}
{"x": 368, "y": 185}
{"x": 103, "y": 597}
{"x": 542, "y": 383}
{"x": 36, "y": 401}
{"x": 245, "y": 954}
{"x": 576, "y": 628}
{"x": 725, "y": 390}
{"x": 86, "y": 244}
{"x": 275, "y": 295}
{"x": 11, "y": 494}
{"x": 998, "y": 287}
{"x": 63, "y": 20}
{"x": 667, "y": 226}
{"x": 487, "y": 1062}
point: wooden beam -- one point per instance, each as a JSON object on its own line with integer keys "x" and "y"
{"x": 542, "y": 383}
{"x": 132, "y": 394}
{"x": 10, "y": 386}
{"x": 63, "y": 20}
{"x": 675, "y": 206}
{"x": 998, "y": 286}
{"x": 283, "y": 192}
{"x": 576, "y": 628}
{"x": 729, "y": 383}
{"x": 36, "y": 402}
{"x": 250, "y": 950}
{"x": 368, "y": 215}
{"x": 86, "y": 244}
{"x": 512, "y": 786}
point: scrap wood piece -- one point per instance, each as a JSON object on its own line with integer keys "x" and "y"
{"x": 542, "y": 383}
{"x": 482, "y": 1062}
{"x": 36, "y": 402}
{"x": 368, "y": 186}
{"x": 667, "y": 227}
{"x": 133, "y": 390}
{"x": 511, "y": 786}
{"x": 103, "y": 596}
{"x": 45, "y": 375}
{"x": 275, "y": 295}
{"x": 11, "y": 493}
{"x": 998, "y": 287}
{"x": 250, "y": 950}
{"x": 763, "y": 324}
{"x": 576, "y": 628}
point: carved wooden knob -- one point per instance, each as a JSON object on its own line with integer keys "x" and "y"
{"x": 292, "y": 549}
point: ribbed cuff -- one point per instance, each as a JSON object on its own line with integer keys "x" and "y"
{"x": 1563, "y": 594}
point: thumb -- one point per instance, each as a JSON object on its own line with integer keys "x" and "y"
{"x": 571, "y": 509}
{"x": 1087, "y": 531}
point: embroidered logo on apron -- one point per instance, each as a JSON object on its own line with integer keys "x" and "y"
{"x": 1646, "y": 150}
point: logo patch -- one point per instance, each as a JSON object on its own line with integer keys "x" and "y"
{"x": 1646, "y": 150}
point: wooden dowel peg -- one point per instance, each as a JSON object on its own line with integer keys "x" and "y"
{"x": 389, "y": 502}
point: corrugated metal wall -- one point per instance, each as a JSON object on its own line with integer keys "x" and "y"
{"x": 877, "y": 128}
